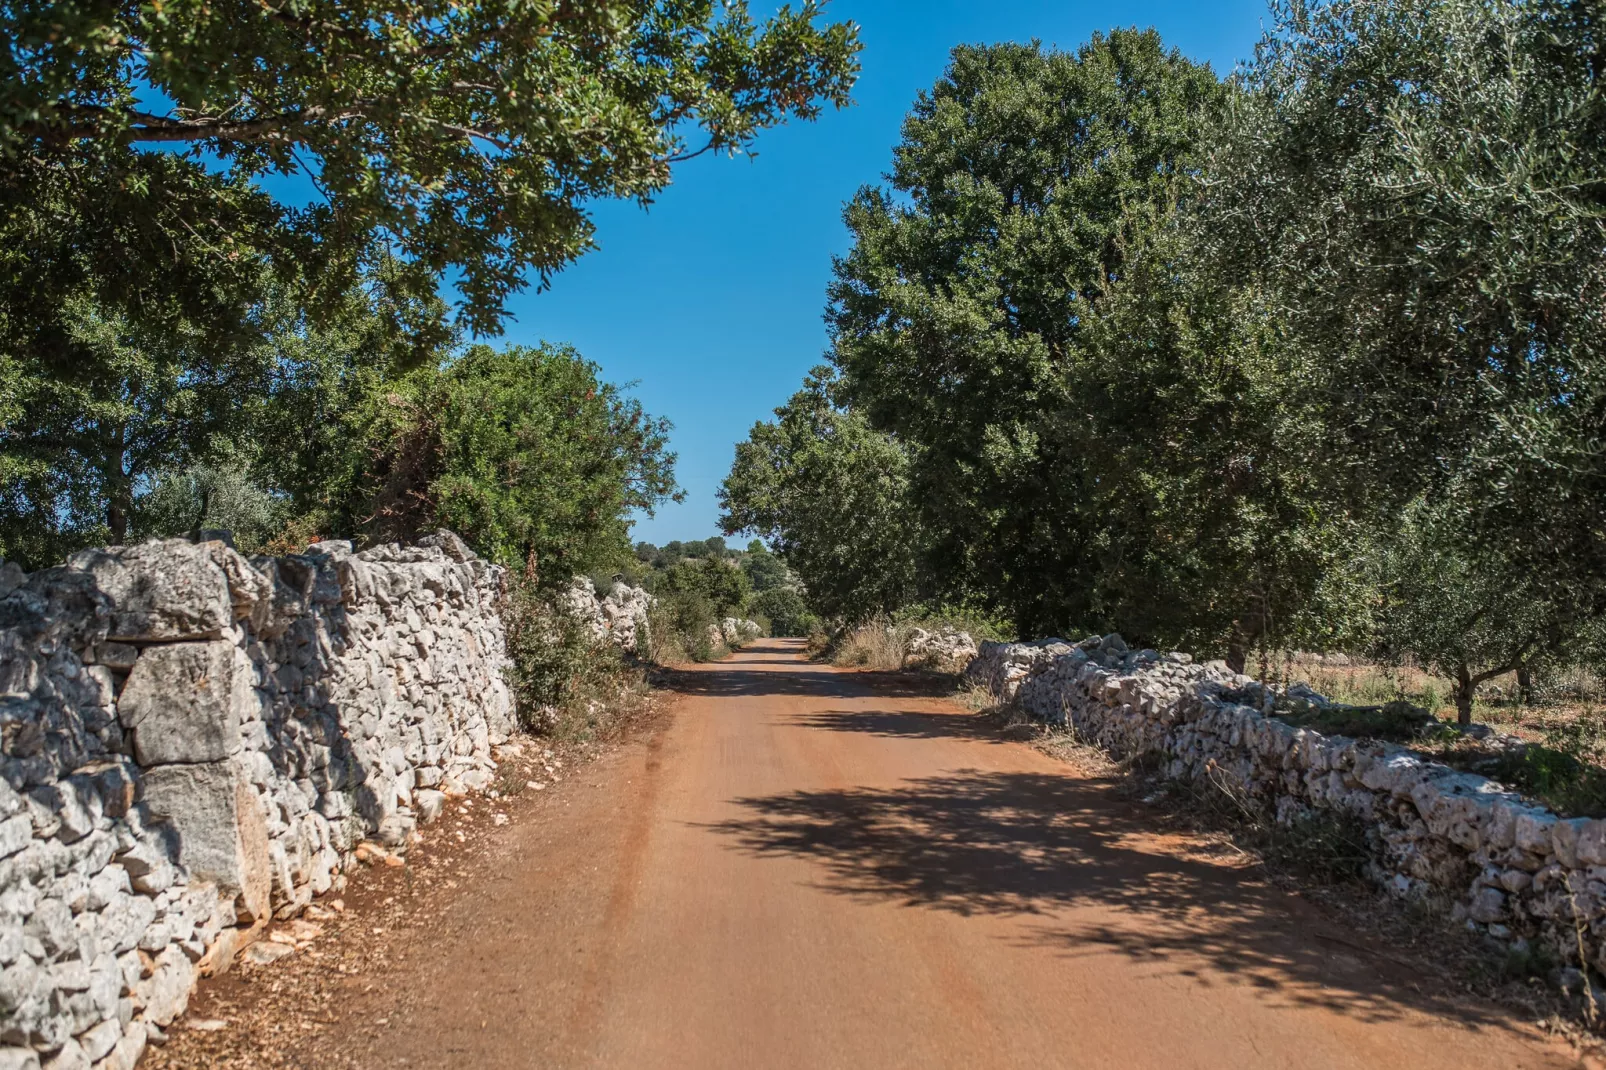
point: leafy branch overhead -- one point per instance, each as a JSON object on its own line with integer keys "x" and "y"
{"x": 466, "y": 137}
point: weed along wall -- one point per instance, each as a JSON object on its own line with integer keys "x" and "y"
{"x": 194, "y": 742}
{"x": 1511, "y": 868}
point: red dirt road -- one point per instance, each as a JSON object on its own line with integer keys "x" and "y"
{"x": 803, "y": 870}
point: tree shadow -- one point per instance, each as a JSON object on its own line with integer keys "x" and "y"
{"x": 776, "y": 666}
{"x": 904, "y": 724}
{"x": 1089, "y": 871}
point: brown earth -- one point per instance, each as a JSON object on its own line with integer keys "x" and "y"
{"x": 809, "y": 867}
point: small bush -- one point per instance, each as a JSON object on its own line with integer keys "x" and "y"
{"x": 564, "y": 681}
{"x": 787, "y": 613}
{"x": 683, "y": 625}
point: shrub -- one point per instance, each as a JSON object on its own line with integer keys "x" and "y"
{"x": 204, "y": 496}
{"x": 682, "y": 626}
{"x": 788, "y": 614}
{"x": 563, "y": 679}
{"x": 877, "y": 645}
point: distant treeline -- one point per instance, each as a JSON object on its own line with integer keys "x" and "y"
{"x": 701, "y": 582}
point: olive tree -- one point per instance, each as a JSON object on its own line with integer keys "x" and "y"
{"x": 1417, "y": 186}
{"x": 1460, "y": 611}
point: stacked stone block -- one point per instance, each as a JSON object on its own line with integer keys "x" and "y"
{"x": 191, "y": 742}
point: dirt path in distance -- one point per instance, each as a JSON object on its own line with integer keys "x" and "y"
{"x": 814, "y": 868}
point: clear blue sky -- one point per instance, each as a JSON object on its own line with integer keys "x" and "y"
{"x": 711, "y": 300}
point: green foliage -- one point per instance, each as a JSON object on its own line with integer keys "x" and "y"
{"x": 151, "y": 242}
{"x": 765, "y": 571}
{"x": 787, "y": 611}
{"x": 1416, "y": 186}
{"x": 1180, "y": 458}
{"x": 522, "y": 451}
{"x": 81, "y": 439}
{"x": 1146, "y": 352}
{"x": 699, "y": 583}
{"x": 1029, "y": 181}
{"x": 724, "y": 586}
{"x": 831, "y": 494}
{"x": 559, "y": 675}
{"x": 465, "y": 137}
{"x": 662, "y": 557}
{"x": 1458, "y": 609}
{"x": 682, "y": 623}
{"x": 319, "y": 430}
{"x": 211, "y": 496}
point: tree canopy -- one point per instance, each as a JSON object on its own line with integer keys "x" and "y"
{"x": 452, "y": 139}
{"x": 523, "y": 451}
{"x": 1417, "y": 187}
{"x": 1025, "y": 182}
{"x": 831, "y": 493}
{"x": 1310, "y": 356}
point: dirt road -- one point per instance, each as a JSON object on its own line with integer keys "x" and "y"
{"x": 813, "y": 868}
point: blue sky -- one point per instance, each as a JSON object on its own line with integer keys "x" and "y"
{"x": 711, "y": 300}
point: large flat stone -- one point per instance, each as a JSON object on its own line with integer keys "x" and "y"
{"x": 180, "y": 703}
{"x": 160, "y": 591}
{"x": 222, "y": 836}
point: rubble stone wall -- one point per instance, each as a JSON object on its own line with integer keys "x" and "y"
{"x": 191, "y": 742}
{"x": 1512, "y": 868}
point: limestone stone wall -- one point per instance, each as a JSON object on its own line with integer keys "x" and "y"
{"x": 618, "y": 617}
{"x": 191, "y": 742}
{"x": 734, "y": 631}
{"x": 1512, "y": 868}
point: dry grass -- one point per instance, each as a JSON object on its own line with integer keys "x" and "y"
{"x": 873, "y": 646}
{"x": 1564, "y": 698}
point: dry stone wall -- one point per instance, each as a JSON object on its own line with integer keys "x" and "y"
{"x": 618, "y": 617}
{"x": 191, "y": 742}
{"x": 946, "y": 647}
{"x": 1512, "y": 868}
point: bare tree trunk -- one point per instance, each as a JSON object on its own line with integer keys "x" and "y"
{"x": 1237, "y": 649}
{"x": 1525, "y": 684}
{"x": 1241, "y": 639}
{"x": 119, "y": 489}
{"x": 1465, "y": 687}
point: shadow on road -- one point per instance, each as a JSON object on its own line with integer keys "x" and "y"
{"x": 771, "y": 668}
{"x": 1066, "y": 850}
{"x": 903, "y": 724}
